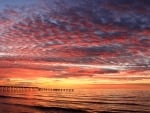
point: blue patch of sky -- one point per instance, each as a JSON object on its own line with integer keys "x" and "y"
{"x": 14, "y": 3}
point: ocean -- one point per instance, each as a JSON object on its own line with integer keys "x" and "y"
{"x": 77, "y": 101}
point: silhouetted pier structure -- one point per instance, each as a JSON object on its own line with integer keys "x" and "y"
{"x": 57, "y": 89}
{"x": 21, "y": 88}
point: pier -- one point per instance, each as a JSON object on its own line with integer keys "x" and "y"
{"x": 21, "y": 88}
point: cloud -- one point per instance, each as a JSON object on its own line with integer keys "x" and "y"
{"x": 59, "y": 41}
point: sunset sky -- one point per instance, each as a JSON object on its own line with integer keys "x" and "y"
{"x": 74, "y": 43}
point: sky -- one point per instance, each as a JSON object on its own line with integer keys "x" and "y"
{"x": 74, "y": 42}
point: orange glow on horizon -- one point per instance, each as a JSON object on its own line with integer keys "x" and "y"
{"x": 75, "y": 83}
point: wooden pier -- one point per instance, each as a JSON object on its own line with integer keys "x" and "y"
{"x": 21, "y": 88}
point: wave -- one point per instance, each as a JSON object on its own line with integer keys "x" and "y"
{"x": 47, "y": 109}
{"x": 17, "y": 97}
{"x": 128, "y": 111}
{"x": 44, "y": 109}
{"x": 75, "y": 101}
{"x": 73, "y": 110}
